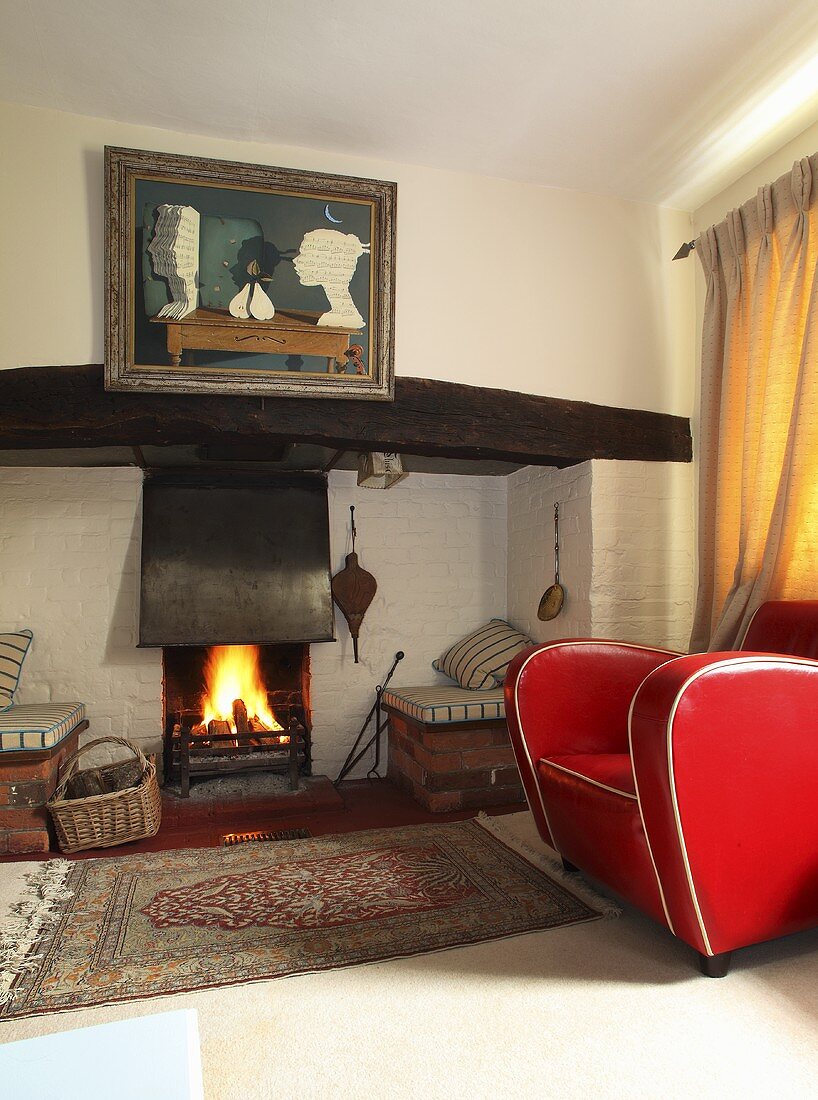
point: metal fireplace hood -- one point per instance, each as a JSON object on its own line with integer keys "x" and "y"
{"x": 234, "y": 558}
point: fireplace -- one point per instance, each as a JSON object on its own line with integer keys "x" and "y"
{"x": 235, "y": 585}
{"x": 235, "y": 708}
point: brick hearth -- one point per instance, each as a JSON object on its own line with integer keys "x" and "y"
{"x": 27, "y": 781}
{"x": 457, "y": 766}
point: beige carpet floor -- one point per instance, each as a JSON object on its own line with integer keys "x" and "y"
{"x": 610, "y": 1009}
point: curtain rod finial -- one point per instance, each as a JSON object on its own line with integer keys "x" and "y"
{"x": 685, "y": 250}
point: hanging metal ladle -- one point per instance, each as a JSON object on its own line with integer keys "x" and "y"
{"x": 554, "y": 596}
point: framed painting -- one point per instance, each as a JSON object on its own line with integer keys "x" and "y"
{"x": 233, "y": 278}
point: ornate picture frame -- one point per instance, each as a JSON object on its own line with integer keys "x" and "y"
{"x": 223, "y": 277}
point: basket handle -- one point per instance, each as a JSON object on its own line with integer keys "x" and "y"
{"x": 71, "y": 765}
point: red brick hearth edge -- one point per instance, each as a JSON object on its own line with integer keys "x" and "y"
{"x": 456, "y": 766}
{"x": 27, "y": 781}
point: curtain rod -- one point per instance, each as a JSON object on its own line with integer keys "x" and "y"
{"x": 685, "y": 250}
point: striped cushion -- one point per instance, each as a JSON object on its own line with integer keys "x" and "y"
{"x": 446, "y": 704}
{"x": 480, "y": 660}
{"x": 38, "y": 725}
{"x": 13, "y": 650}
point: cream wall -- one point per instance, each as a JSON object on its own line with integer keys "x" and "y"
{"x": 498, "y": 283}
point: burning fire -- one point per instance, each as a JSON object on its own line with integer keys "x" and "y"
{"x": 232, "y": 672}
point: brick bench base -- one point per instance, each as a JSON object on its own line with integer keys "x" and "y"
{"x": 456, "y": 766}
{"x": 28, "y": 778}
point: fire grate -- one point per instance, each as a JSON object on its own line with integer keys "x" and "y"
{"x": 235, "y": 708}
{"x": 229, "y": 839}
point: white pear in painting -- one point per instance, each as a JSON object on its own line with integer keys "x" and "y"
{"x": 239, "y": 306}
{"x": 260, "y": 305}
{"x": 251, "y": 300}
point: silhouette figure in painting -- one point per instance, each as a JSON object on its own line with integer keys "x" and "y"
{"x": 328, "y": 259}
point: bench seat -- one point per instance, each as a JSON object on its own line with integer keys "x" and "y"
{"x": 35, "y": 726}
{"x": 444, "y": 703}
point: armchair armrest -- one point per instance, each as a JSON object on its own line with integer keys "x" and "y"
{"x": 725, "y": 756}
{"x": 572, "y": 696}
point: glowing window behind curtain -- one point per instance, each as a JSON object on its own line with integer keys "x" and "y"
{"x": 759, "y": 423}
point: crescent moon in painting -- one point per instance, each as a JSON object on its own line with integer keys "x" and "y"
{"x": 329, "y": 216}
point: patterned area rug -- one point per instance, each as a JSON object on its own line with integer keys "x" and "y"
{"x": 168, "y": 922}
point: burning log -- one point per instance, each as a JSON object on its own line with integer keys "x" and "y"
{"x": 243, "y": 725}
{"x": 199, "y": 730}
{"x": 216, "y": 727}
{"x": 261, "y": 730}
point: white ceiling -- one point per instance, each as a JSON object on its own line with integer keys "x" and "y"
{"x": 621, "y": 97}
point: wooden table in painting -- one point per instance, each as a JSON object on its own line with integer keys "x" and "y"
{"x": 290, "y": 332}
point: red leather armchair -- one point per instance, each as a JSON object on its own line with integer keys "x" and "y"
{"x": 687, "y": 784}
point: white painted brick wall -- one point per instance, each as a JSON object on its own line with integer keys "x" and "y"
{"x": 69, "y": 569}
{"x": 627, "y": 550}
{"x": 448, "y": 553}
{"x": 643, "y": 552}
{"x": 437, "y": 547}
{"x": 532, "y": 493}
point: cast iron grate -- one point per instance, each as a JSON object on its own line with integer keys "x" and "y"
{"x": 229, "y": 839}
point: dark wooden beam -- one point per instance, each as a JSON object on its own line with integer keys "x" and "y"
{"x": 252, "y": 451}
{"x": 44, "y": 407}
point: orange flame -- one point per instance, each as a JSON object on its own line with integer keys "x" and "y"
{"x": 232, "y": 672}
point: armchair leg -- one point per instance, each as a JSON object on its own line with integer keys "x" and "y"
{"x": 569, "y": 868}
{"x": 715, "y": 966}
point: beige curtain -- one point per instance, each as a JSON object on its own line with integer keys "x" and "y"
{"x": 758, "y": 440}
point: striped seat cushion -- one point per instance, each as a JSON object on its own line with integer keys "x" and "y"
{"x": 446, "y": 704}
{"x": 13, "y": 650}
{"x": 479, "y": 661}
{"x": 38, "y": 725}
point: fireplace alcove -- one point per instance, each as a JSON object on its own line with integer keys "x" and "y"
{"x": 235, "y": 585}
{"x": 64, "y": 416}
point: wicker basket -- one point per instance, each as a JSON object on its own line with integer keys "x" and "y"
{"x": 103, "y": 820}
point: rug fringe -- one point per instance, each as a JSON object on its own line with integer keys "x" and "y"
{"x": 552, "y": 866}
{"x": 38, "y": 908}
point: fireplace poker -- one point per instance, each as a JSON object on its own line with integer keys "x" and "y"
{"x": 375, "y": 712}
